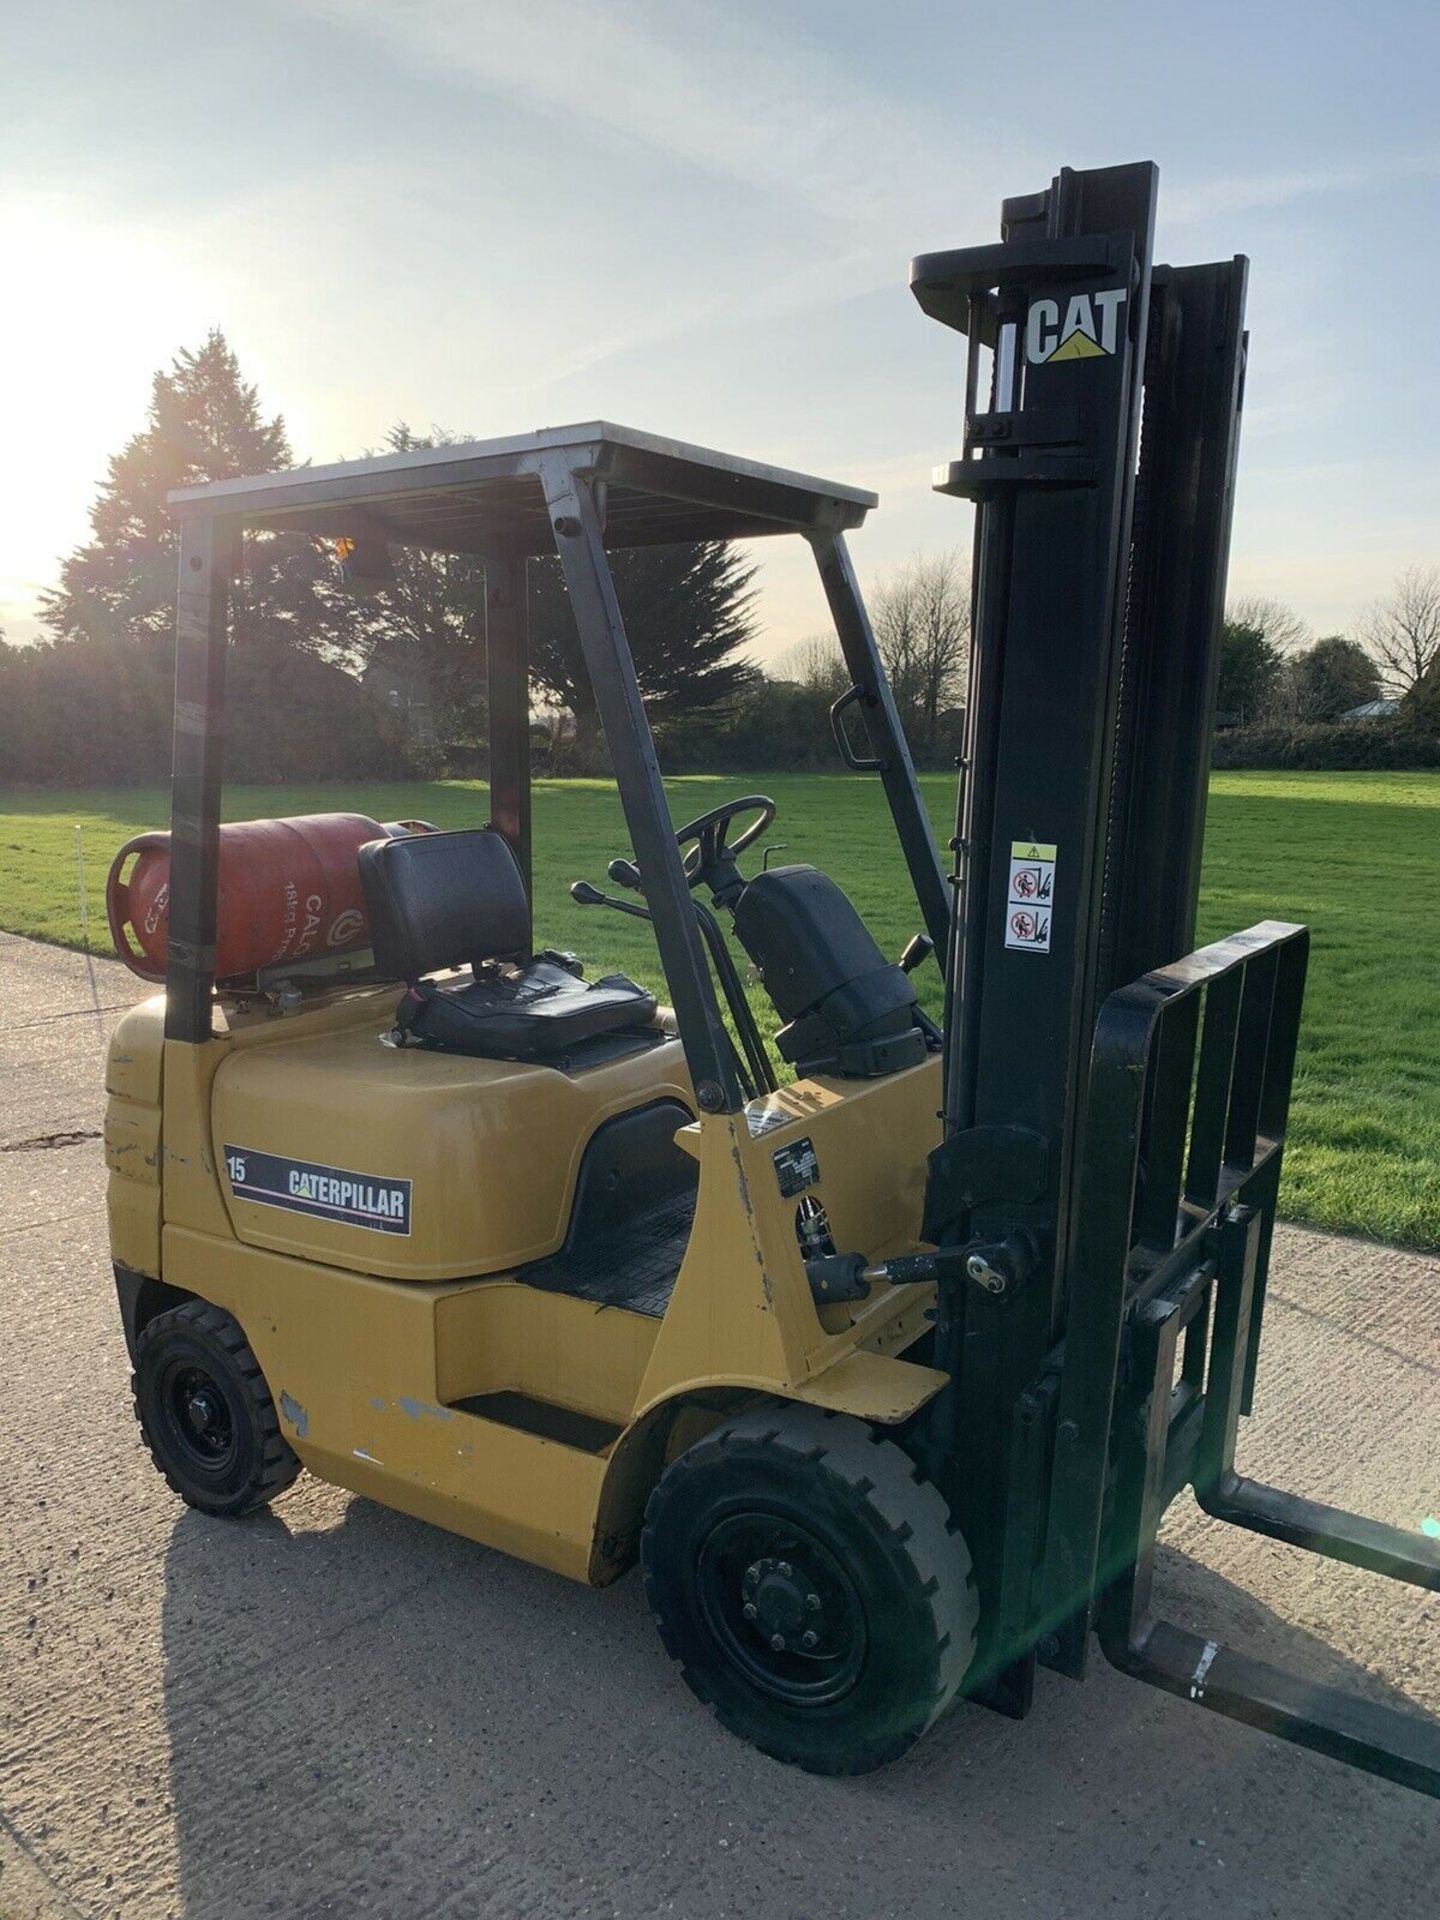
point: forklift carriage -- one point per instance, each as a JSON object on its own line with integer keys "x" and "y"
{"x": 886, "y": 1374}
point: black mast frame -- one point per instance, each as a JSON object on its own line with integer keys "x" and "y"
{"x": 1115, "y": 1117}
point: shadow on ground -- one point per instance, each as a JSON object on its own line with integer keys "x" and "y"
{"x": 379, "y": 1718}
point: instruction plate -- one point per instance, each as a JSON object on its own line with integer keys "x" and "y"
{"x": 796, "y": 1167}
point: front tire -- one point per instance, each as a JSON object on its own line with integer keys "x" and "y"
{"x": 812, "y": 1587}
{"x": 206, "y": 1414}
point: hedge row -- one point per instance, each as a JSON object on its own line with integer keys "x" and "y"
{"x": 86, "y": 714}
{"x": 1343, "y": 746}
{"x": 786, "y": 728}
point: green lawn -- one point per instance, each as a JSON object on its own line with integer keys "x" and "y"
{"x": 1353, "y": 855}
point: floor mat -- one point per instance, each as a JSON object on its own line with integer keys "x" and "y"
{"x": 633, "y": 1266}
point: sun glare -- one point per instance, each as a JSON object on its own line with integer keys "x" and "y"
{"x": 103, "y": 306}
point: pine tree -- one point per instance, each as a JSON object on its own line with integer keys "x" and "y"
{"x": 205, "y": 423}
{"x": 687, "y": 612}
{"x": 426, "y": 633}
{"x": 103, "y": 685}
{"x": 1250, "y": 670}
{"x": 1420, "y": 708}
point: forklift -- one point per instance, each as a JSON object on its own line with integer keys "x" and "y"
{"x": 886, "y": 1367}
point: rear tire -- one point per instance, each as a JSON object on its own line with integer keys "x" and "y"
{"x": 812, "y": 1587}
{"x": 206, "y": 1414}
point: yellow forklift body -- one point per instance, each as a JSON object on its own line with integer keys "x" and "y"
{"x": 490, "y": 1148}
{"x": 379, "y": 1347}
{"x": 479, "y": 1280}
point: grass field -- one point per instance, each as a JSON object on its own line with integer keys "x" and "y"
{"x": 1356, "y": 856}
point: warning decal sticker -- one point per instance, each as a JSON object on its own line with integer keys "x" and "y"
{"x": 367, "y": 1200}
{"x": 1030, "y": 895}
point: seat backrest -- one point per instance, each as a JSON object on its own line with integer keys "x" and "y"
{"x": 444, "y": 899}
{"x": 802, "y": 931}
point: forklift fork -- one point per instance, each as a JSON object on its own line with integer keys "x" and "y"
{"x": 1189, "y": 1285}
{"x": 1379, "y": 1739}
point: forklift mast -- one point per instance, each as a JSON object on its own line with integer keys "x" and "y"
{"x": 1098, "y": 590}
{"x": 1114, "y": 1105}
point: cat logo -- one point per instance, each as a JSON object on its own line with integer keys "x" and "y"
{"x": 1090, "y": 327}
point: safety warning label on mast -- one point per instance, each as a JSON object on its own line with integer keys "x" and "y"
{"x": 1030, "y": 896}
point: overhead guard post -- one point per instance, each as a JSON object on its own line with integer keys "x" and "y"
{"x": 209, "y": 549}
{"x": 507, "y": 672}
{"x": 580, "y": 541}
{"x": 887, "y": 736}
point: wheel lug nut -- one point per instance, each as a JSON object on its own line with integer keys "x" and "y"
{"x": 812, "y": 1601}
{"x": 749, "y": 1609}
{"x": 777, "y": 1642}
{"x": 784, "y": 1569}
{"x": 808, "y": 1640}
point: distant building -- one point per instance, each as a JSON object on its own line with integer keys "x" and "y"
{"x": 1373, "y": 710}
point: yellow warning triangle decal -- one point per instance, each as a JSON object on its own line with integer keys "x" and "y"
{"x": 1078, "y": 347}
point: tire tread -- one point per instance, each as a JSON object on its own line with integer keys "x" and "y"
{"x": 279, "y": 1465}
{"x": 882, "y": 1475}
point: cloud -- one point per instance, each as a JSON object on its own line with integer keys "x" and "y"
{"x": 1242, "y": 193}
{"x": 702, "y": 86}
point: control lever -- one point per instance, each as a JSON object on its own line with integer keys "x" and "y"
{"x": 918, "y": 948}
{"x": 584, "y": 895}
{"x": 760, "y": 1077}
{"x": 999, "y": 1269}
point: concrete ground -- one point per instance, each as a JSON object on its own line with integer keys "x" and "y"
{"x": 333, "y": 1710}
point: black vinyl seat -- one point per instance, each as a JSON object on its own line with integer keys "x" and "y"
{"x": 441, "y": 900}
{"x": 848, "y": 1010}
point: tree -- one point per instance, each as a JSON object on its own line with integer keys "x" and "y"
{"x": 98, "y": 695}
{"x": 1285, "y": 629}
{"x": 921, "y": 616}
{"x": 1402, "y": 633}
{"x": 426, "y": 633}
{"x": 1420, "y": 708}
{"x": 816, "y": 664}
{"x": 205, "y": 424}
{"x": 1250, "y": 669}
{"x": 1330, "y": 678}
{"x": 687, "y": 612}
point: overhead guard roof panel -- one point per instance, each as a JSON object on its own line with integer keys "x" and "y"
{"x": 460, "y": 498}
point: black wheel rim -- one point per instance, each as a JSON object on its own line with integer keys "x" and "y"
{"x": 199, "y": 1420}
{"x": 781, "y": 1609}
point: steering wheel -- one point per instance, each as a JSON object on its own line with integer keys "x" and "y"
{"x": 707, "y": 837}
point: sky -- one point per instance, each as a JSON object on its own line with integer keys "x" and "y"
{"x": 698, "y": 219}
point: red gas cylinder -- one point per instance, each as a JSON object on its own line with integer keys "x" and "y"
{"x": 289, "y": 890}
